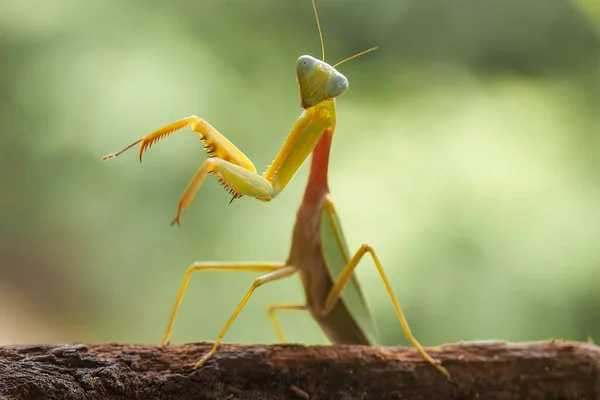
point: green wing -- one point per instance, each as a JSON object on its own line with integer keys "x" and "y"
{"x": 336, "y": 255}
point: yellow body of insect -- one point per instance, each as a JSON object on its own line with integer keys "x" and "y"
{"x": 319, "y": 252}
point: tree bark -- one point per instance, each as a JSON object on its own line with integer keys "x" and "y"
{"x": 480, "y": 370}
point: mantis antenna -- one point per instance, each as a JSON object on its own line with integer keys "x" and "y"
{"x": 323, "y": 44}
{"x": 356, "y": 55}
{"x": 320, "y": 32}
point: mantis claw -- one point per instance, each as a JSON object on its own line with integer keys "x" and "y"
{"x": 165, "y": 340}
{"x": 202, "y": 361}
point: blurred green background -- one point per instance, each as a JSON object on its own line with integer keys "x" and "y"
{"x": 466, "y": 153}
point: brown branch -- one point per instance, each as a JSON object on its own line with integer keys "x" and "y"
{"x": 494, "y": 370}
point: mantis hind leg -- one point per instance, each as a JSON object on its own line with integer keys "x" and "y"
{"x": 212, "y": 266}
{"x": 347, "y": 274}
{"x": 273, "y": 318}
{"x": 279, "y": 273}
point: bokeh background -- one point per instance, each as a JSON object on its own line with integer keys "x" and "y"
{"x": 467, "y": 154}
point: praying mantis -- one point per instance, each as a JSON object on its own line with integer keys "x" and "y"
{"x": 319, "y": 253}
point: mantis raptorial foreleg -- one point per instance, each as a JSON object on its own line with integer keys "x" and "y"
{"x": 344, "y": 277}
{"x": 242, "y": 181}
{"x": 233, "y": 169}
{"x": 280, "y": 273}
{"x": 213, "y": 266}
{"x": 273, "y": 318}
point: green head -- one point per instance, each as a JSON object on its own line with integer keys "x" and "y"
{"x": 318, "y": 81}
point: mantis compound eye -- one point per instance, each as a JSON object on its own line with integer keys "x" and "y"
{"x": 305, "y": 65}
{"x": 338, "y": 85}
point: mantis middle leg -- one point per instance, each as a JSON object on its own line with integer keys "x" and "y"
{"x": 279, "y": 273}
{"x": 213, "y": 266}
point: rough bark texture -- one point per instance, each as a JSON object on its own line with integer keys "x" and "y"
{"x": 487, "y": 370}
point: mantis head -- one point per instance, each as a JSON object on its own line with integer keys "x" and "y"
{"x": 318, "y": 81}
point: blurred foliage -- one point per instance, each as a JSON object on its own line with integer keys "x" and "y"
{"x": 467, "y": 154}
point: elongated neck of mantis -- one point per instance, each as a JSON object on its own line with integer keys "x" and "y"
{"x": 317, "y": 180}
